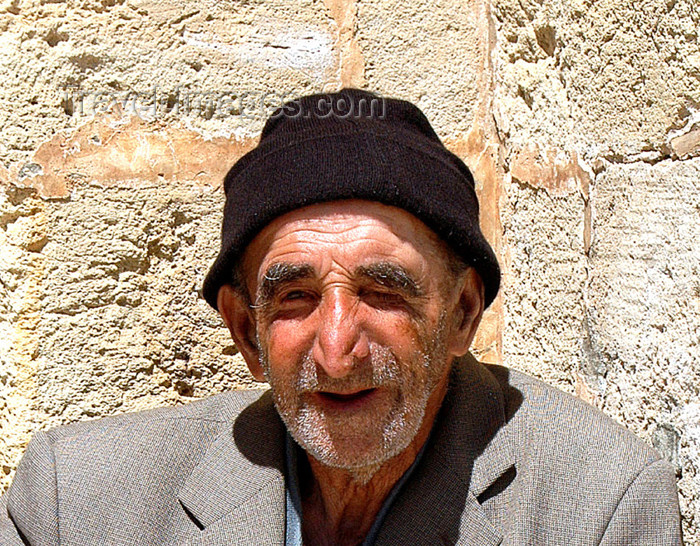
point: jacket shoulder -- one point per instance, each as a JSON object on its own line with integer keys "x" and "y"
{"x": 581, "y": 477}
{"x": 207, "y": 412}
{"x": 562, "y": 443}
{"x": 120, "y": 472}
{"x": 554, "y": 419}
{"x": 162, "y": 444}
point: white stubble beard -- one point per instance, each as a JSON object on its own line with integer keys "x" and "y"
{"x": 314, "y": 429}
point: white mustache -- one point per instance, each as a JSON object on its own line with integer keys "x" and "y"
{"x": 380, "y": 369}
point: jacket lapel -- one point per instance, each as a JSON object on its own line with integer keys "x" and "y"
{"x": 236, "y": 493}
{"x": 470, "y": 451}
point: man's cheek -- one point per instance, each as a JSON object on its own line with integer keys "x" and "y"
{"x": 277, "y": 339}
{"x": 387, "y": 329}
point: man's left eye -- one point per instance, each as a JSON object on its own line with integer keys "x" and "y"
{"x": 380, "y": 299}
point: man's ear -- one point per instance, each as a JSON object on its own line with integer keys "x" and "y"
{"x": 468, "y": 312}
{"x": 239, "y": 319}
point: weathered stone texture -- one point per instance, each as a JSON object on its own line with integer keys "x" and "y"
{"x": 580, "y": 120}
{"x": 600, "y": 228}
{"x": 122, "y": 320}
{"x": 545, "y": 268}
{"x": 114, "y": 151}
{"x": 643, "y": 308}
{"x": 432, "y": 53}
{"x": 608, "y": 77}
{"x": 231, "y": 60}
{"x": 108, "y": 317}
{"x": 23, "y": 235}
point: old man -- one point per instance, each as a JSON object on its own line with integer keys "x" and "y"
{"x": 352, "y": 276}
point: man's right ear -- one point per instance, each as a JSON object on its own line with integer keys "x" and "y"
{"x": 239, "y": 319}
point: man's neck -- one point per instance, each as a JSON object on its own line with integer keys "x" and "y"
{"x": 339, "y": 506}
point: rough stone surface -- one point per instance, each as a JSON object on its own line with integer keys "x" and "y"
{"x": 595, "y": 105}
{"x": 605, "y": 78}
{"x": 643, "y": 309}
{"x": 214, "y": 66}
{"x": 546, "y": 274}
{"x": 107, "y": 317}
{"x": 131, "y": 299}
{"x": 580, "y": 120}
{"x": 432, "y": 53}
{"x": 21, "y": 273}
{"x": 115, "y": 151}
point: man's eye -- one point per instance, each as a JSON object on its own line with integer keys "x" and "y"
{"x": 378, "y": 298}
{"x": 295, "y": 295}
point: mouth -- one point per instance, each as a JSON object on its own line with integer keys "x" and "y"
{"x": 346, "y": 397}
{"x": 346, "y": 401}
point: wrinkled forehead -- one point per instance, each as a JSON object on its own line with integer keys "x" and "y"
{"x": 351, "y": 224}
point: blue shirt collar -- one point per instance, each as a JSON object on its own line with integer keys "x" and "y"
{"x": 293, "y": 534}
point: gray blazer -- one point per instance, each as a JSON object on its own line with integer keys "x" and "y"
{"x": 511, "y": 461}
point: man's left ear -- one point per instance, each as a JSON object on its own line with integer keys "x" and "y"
{"x": 468, "y": 312}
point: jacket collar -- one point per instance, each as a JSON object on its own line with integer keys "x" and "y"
{"x": 236, "y": 492}
{"x": 473, "y": 434}
{"x": 471, "y": 449}
{"x": 241, "y": 477}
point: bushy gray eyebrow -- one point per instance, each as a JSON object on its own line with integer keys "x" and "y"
{"x": 391, "y": 276}
{"x": 386, "y": 274}
{"x": 278, "y": 274}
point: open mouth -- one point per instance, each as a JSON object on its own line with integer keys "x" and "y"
{"x": 347, "y": 402}
{"x": 337, "y": 397}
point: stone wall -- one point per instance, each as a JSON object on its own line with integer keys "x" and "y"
{"x": 580, "y": 119}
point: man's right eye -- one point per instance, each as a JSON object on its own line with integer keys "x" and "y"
{"x": 295, "y": 295}
{"x": 294, "y": 303}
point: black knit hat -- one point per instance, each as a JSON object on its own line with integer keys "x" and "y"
{"x": 351, "y": 145}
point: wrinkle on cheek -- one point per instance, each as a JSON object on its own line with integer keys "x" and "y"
{"x": 398, "y": 331}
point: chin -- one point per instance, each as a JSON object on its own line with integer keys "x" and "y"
{"x": 354, "y": 446}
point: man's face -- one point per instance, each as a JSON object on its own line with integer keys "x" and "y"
{"x": 354, "y": 313}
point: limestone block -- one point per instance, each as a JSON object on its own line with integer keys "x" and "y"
{"x": 123, "y": 325}
{"x": 545, "y": 273}
{"x": 217, "y": 68}
{"x": 611, "y": 77}
{"x": 22, "y": 225}
{"x": 433, "y": 53}
{"x": 643, "y": 311}
{"x": 107, "y": 316}
{"x": 113, "y": 150}
{"x": 685, "y": 142}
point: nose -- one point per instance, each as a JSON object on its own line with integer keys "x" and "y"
{"x": 340, "y": 343}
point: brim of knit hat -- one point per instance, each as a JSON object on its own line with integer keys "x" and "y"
{"x": 352, "y": 164}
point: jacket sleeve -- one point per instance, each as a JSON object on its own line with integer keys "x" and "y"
{"x": 29, "y": 509}
{"x": 648, "y": 512}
